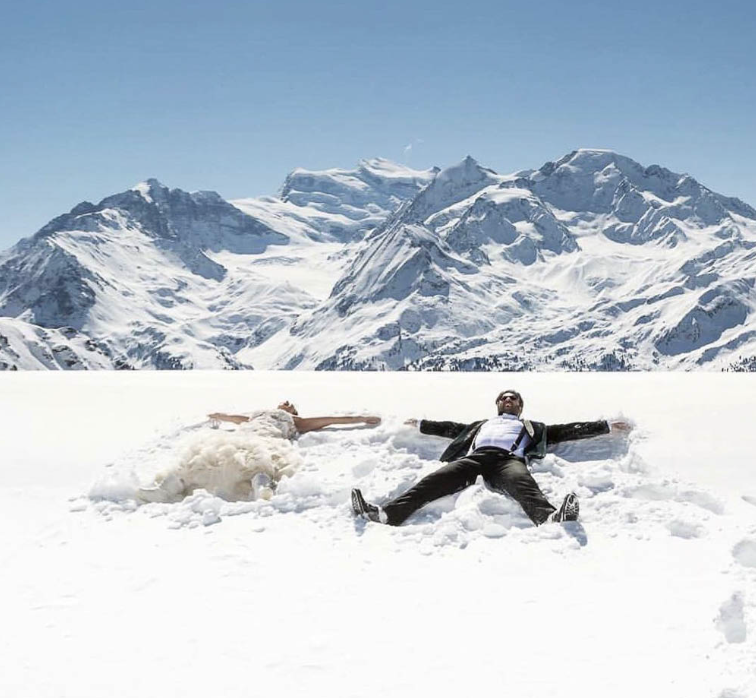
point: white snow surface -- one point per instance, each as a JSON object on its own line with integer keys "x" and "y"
{"x": 652, "y": 593}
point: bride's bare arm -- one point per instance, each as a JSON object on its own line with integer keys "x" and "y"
{"x": 235, "y": 418}
{"x": 305, "y": 424}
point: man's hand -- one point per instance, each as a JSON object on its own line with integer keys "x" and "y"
{"x": 410, "y": 422}
{"x": 620, "y": 427}
{"x": 371, "y": 420}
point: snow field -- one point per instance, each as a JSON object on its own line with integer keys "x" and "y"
{"x": 652, "y": 592}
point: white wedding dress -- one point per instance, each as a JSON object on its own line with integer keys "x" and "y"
{"x": 243, "y": 464}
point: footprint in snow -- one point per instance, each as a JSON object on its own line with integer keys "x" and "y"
{"x": 657, "y": 492}
{"x": 364, "y": 467}
{"x": 745, "y": 552}
{"x": 597, "y": 482}
{"x": 731, "y": 619}
{"x": 685, "y": 529}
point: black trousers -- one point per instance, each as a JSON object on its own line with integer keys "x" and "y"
{"x": 501, "y": 471}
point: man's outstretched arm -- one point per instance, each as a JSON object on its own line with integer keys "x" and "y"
{"x": 557, "y": 433}
{"x": 448, "y": 430}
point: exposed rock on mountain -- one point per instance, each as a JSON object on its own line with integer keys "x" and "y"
{"x": 25, "y": 346}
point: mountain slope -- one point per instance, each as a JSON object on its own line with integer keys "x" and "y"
{"x": 593, "y": 262}
{"x": 136, "y": 272}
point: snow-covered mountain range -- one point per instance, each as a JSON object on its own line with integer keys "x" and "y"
{"x": 590, "y": 262}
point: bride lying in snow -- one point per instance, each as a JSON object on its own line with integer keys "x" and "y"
{"x": 244, "y": 464}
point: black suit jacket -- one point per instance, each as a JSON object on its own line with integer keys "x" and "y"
{"x": 541, "y": 435}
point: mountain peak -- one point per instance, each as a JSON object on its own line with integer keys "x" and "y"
{"x": 591, "y": 160}
{"x": 377, "y": 163}
{"x": 148, "y": 188}
{"x": 387, "y": 169}
{"x": 466, "y": 171}
{"x": 585, "y": 162}
{"x": 352, "y": 202}
{"x": 450, "y": 186}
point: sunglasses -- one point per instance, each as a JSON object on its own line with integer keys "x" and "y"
{"x": 501, "y": 398}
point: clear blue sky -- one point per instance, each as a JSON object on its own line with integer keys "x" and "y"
{"x": 97, "y": 95}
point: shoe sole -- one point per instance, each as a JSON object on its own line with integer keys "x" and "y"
{"x": 571, "y": 508}
{"x": 357, "y": 506}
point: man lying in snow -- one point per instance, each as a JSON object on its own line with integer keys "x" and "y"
{"x": 499, "y": 449}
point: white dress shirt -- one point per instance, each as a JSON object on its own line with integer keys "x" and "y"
{"x": 501, "y": 432}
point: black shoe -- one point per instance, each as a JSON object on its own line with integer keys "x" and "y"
{"x": 569, "y": 511}
{"x": 366, "y": 510}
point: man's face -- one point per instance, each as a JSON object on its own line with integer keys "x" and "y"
{"x": 509, "y": 402}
